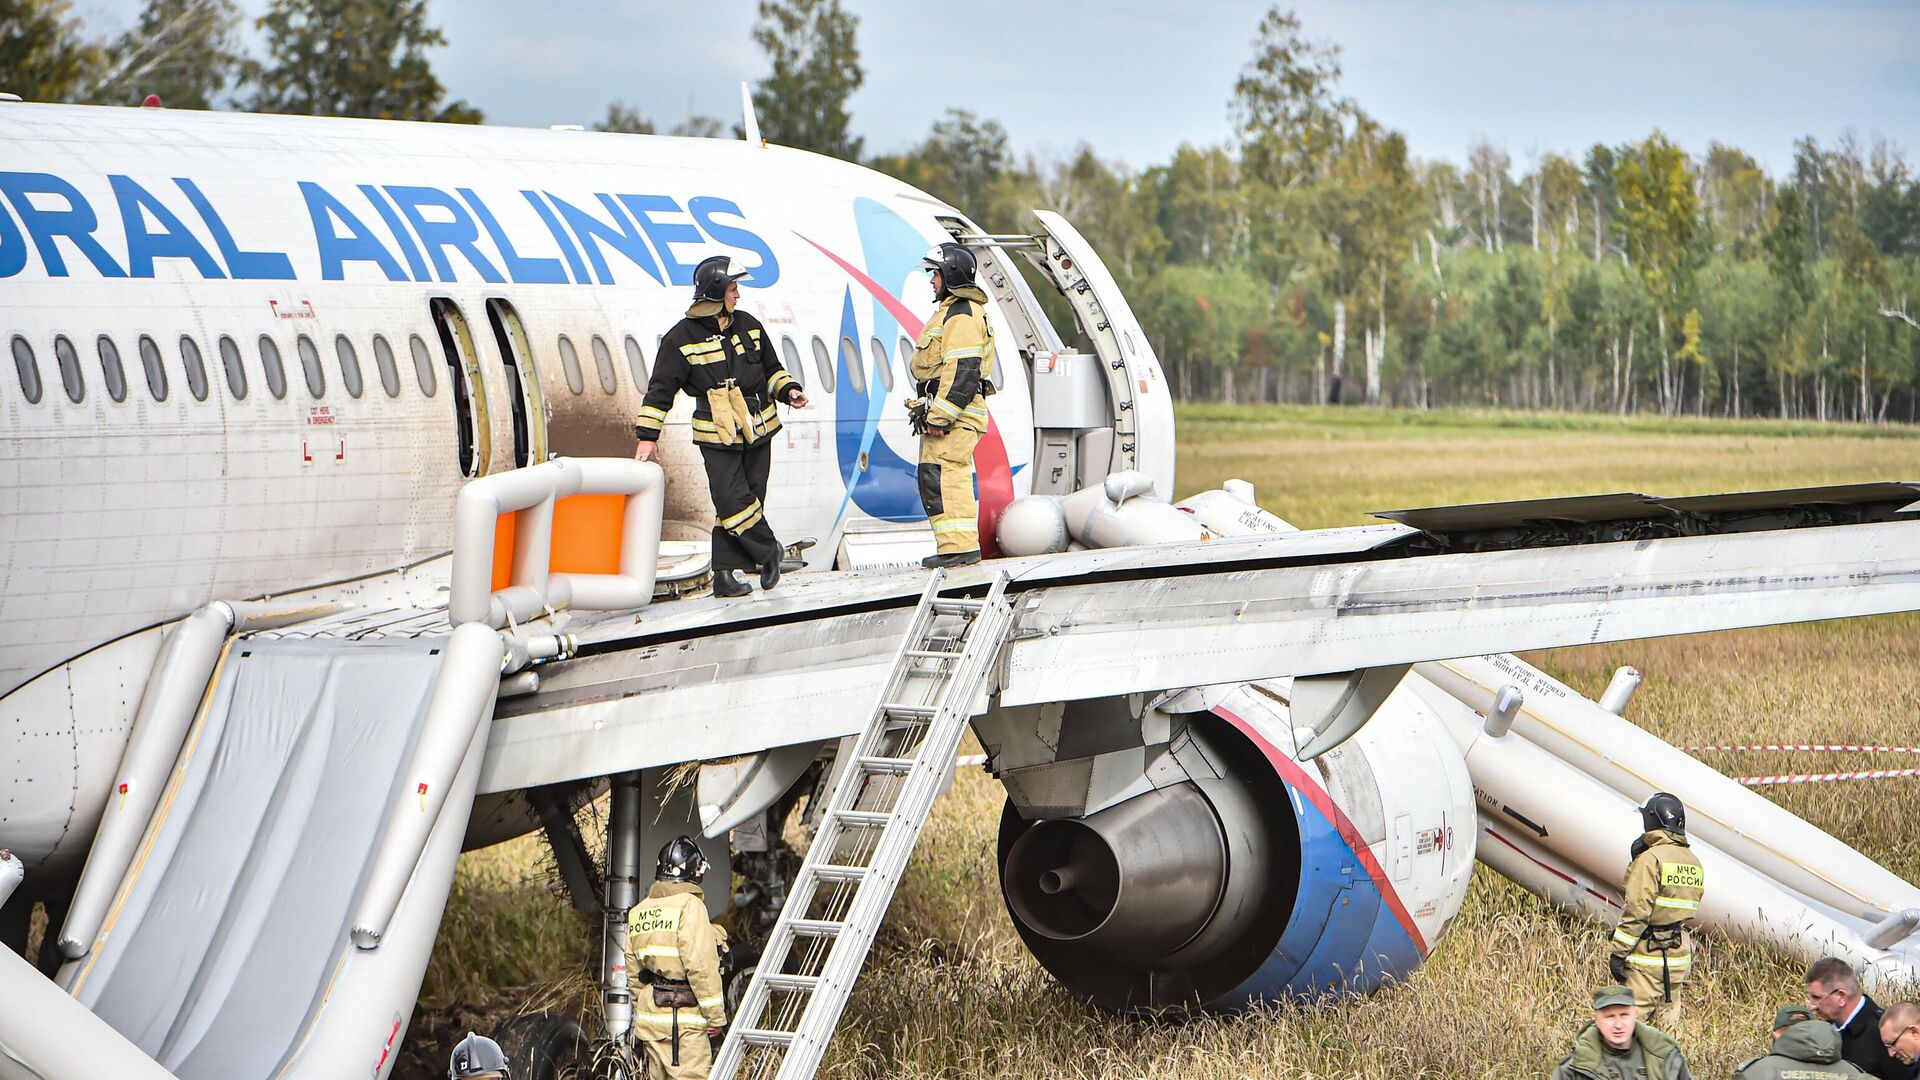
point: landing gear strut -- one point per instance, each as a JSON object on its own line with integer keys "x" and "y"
{"x": 622, "y": 892}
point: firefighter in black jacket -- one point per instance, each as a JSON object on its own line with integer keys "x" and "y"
{"x": 726, "y": 362}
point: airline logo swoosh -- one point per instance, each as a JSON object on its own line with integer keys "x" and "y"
{"x": 993, "y": 473}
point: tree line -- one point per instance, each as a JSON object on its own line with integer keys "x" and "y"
{"x": 1310, "y": 258}
{"x": 1313, "y": 259}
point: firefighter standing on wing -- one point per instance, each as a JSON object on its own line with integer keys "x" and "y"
{"x": 954, "y": 367}
{"x": 680, "y": 1010}
{"x": 1652, "y": 949}
{"x": 725, "y": 361}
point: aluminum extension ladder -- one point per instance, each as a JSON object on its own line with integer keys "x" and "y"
{"x": 872, "y": 821}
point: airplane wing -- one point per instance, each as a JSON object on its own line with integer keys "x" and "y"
{"x": 709, "y": 679}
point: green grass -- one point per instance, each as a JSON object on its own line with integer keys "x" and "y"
{"x": 951, "y": 992}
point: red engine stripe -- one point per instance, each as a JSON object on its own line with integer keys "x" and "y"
{"x": 1293, "y": 774}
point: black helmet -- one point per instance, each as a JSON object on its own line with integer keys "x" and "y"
{"x": 477, "y": 1055}
{"x": 712, "y": 276}
{"x": 1663, "y": 811}
{"x": 955, "y": 263}
{"x": 681, "y": 860}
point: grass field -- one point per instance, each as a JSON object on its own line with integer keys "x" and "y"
{"x": 950, "y": 991}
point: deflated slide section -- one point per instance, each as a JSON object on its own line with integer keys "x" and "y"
{"x": 226, "y": 953}
{"x": 1557, "y": 794}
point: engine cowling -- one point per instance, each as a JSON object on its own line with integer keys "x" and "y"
{"x": 1268, "y": 879}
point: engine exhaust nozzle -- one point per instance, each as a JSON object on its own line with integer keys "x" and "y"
{"x": 1137, "y": 879}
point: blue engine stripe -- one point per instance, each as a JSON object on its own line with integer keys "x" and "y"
{"x": 1341, "y": 936}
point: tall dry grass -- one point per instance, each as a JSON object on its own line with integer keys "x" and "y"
{"x": 951, "y": 992}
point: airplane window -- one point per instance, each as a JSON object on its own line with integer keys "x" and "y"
{"x": 880, "y": 363}
{"x": 27, "y": 368}
{"x": 156, "y": 371}
{"x": 570, "y": 363}
{"x": 383, "y": 359}
{"x": 906, "y": 355}
{"x": 824, "y": 362}
{"x": 637, "y": 364}
{"x": 603, "y": 359}
{"x": 196, "y": 368}
{"x": 270, "y": 363}
{"x": 69, "y": 362}
{"x": 236, "y": 374}
{"x": 349, "y": 365}
{"x": 856, "y": 371}
{"x": 423, "y": 366}
{"x": 110, "y": 368}
{"x": 310, "y": 363}
{"x": 790, "y": 359}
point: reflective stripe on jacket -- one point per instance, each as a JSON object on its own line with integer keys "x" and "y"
{"x": 669, "y": 935}
{"x": 1663, "y": 891}
{"x": 953, "y": 363}
{"x": 699, "y": 356}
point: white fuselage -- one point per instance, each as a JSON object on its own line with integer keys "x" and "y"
{"x": 555, "y": 257}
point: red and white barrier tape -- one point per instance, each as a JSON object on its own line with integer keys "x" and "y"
{"x": 970, "y": 759}
{"x": 1830, "y": 747}
{"x": 1821, "y": 778}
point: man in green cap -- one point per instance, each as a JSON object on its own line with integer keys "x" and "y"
{"x": 1805, "y": 1047}
{"x": 1616, "y": 1046}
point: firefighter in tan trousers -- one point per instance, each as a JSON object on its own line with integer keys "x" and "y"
{"x": 953, "y": 365}
{"x": 1652, "y": 948}
{"x": 676, "y": 951}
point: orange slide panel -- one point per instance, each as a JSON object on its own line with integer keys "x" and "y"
{"x": 503, "y": 536}
{"x": 587, "y": 530}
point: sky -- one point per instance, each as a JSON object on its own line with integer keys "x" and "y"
{"x": 1134, "y": 79}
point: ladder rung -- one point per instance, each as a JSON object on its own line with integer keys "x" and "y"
{"x": 958, "y": 634}
{"x": 839, "y": 873}
{"x": 764, "y": 1037}
{"x": 815, "y": 928}
{"x": 792, "y": 983}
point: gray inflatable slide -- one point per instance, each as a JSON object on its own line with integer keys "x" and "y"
{"x": 229, "y": 951}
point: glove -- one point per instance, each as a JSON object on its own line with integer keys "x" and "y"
{"x": 917, "y": 416}
{"x": 1617, "y": 967}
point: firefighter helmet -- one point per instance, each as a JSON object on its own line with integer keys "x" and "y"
{"x": 713, "y": 275}
{"x": 1664, "y": 811}
{"x": 955, "y": 263}
{"x": 477, "y": 1056}
{"x": 681, "y": 860}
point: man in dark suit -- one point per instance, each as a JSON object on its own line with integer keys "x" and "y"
{"x": 1833, "y": 993}
{"x": 1900, "y": 1031}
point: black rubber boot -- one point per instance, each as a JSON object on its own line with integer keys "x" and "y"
{"x": 728, "y": 583}
{"x": 770, "y": 573}
{"x": 951, "y": 558}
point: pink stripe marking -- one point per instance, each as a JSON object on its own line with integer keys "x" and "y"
{"x": 896, "y": 307}
{"x": 1291, "y": 771}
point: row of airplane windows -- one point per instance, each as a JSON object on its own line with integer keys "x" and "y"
{"x": 113, "y": 373}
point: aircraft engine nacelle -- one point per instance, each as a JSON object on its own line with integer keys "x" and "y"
{"x": 1252, "y": 877}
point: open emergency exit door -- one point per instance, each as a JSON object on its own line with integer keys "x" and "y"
{"x": 1095, "y": 412}
{"x": 1139, "y": 404}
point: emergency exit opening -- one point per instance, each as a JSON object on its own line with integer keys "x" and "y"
{"x": 469, "y": 396}
{"x": 523, "y": 384}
